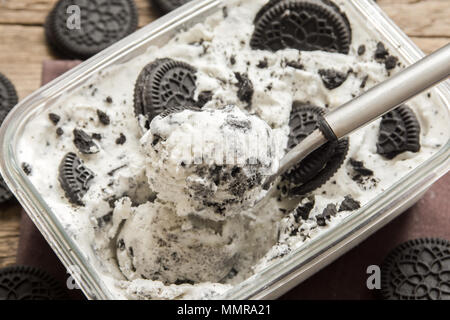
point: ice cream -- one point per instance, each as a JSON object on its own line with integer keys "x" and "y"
{"x": 139, "y": 195}
{"x": 157, "y": 244}
{"x": 214, "y": 160}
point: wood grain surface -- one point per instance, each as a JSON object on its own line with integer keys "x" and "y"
{"x": 23, "y": 48}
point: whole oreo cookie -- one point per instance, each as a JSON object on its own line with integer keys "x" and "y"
{"x": 163, "y": 84}
{"x": 8, "y": 99}
{"x": 320, "y": 165}
{"x": 417, "y": 270}
{"x": 399, "y": 132}
{"x": 28, "y": 283}
{"x": 80, "y": 29}
{"x": 169, "y": 5}
{"x": 74, "y": 178}
{"x": 304, "y": 120}
{"x": 301, "y": 24}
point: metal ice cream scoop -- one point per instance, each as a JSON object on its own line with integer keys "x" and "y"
{"x": 367, "y": 107}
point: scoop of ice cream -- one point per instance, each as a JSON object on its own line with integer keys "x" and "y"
{"x": 155, "y": 243}
{"x": 210, "y": 162}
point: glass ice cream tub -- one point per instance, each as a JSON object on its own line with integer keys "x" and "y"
{"x": 93, "y": 233}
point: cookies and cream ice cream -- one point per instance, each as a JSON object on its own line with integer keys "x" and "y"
{"x": 158, "y": 244}
{"x": 214, "y": 160}
{"x": 147, "y": 220}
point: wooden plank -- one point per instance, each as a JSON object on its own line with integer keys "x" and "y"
{"x": 429, "y": 45}
{"x": 9, "y": 233}
{"x": 426, "y": 18}
{"x": 22, "y": 50}
{"x": 34, "y": 12}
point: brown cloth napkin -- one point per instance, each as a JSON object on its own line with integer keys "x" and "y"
{"x": 344, "y": 279}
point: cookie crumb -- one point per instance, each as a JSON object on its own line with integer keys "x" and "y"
{"x": 121, "y": 139}
{"x": 54, "y": 118}
{"x": 349, "y": 204}
{"x": 390, "y": 62}
{"x": 103, "y": 117}
{"x": 361, "y": 50}
{"x": 26, "y": 167}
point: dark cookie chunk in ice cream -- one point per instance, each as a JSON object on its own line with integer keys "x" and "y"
{"x": 26, "y": 167}
{"x": 303, "y": 210}
{"x": 84, "y": 142}
{"x": 74, "y": 178}
{"x": 262, "y": 64}
{"x": 359, "y": 168}
{"x": 361, "y": 50}
{"x": 332, "y": 79}
{"x": 363, "y": 176}
{"x": 349, "y": 204}
{"x": 381, "y": 52}
{"x": 390, "y": 62}
{"x": 295, "y": 64}
{"x": 245, "y": 88}
{"x": 302, "y": 177}
{"x": 169, "y": 5}
{"x": 399, "y": 132}
{"x": 163, "y": 84}
{"x": 417, "y": 270}
{"x": 104, "y": 220}
{"x": 103, "y": 117}
{"x": 301, "y": 24}
{"x": 382, "y": 55}
{"x": 329, "y": 211}
{"x": 121, "y": 139}
{"x": 54, "y": 118}
{"x": 28, "y": 283}
{"x": 203, "y": 98}
{"x": 102, "y": 23}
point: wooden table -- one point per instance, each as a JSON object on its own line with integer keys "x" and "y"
{"x": 23, "y": 48}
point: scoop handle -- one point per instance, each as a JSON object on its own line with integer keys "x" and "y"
{"x": 388, "y": 94}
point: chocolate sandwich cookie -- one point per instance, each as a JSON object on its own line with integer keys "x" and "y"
{"x": 28, "y": 283}
{"x": 417, "y": 270}
{"x": 333, "y": 164}
{"x": 320, "y": 165}
{"x": 301, "y": 24}
{"x": 169, "y": 5}
{"x": 163, "y": 84}
{"x": 80, "y": 29}
{"x": 399, "y": 132}
{"x": 75, "y": 178}
{"x": 8, "y": 99}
